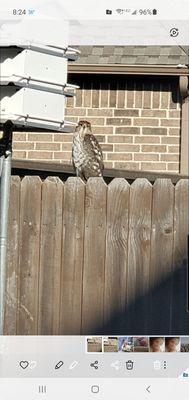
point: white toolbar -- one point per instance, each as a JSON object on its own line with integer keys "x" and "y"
{"x": 99, "y": 389}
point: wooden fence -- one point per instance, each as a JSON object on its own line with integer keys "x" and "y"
{"x": 97, "y": 258}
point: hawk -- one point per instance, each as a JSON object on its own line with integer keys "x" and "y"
{"x": 87, "y": 155}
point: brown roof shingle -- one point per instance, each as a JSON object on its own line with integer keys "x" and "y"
{"x": 154, "y": 55}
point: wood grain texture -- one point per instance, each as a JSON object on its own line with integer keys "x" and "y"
{"x": 97, "y": 259}
{"x": 179, "y": 314}
{"x": 12, "y": 273}
{"x": 139, "y": 252}
{"x": 94, "y": 256}
{"x": 30, "y": 219}
{"x": 50, "y": 256}
{"x": 44, "y": 169}
{"x": 161, "y": 265}
{"x": 72, "y": 257}
{"x": 116, "y": 248}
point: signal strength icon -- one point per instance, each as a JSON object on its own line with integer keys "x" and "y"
{"x": 135, "y": 12}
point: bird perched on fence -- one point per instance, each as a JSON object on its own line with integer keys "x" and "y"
{"x": 87, "y": 155}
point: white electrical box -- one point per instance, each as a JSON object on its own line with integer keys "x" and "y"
{"x": 34, "y": 69}
{"x": 31, "y": 107}
{"x": 32, "y": 65}
{"x": 33, "y": 81}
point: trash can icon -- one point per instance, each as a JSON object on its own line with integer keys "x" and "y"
{"x": 129, "y": 365}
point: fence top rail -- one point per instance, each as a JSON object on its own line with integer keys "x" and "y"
{"x": 44, "y": 169}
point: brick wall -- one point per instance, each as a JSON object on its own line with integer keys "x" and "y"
{"x": 137, "y": 121}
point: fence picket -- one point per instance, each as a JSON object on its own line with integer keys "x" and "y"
{"x": 116, "y": 249}
{"x": 94, "y": 256}
{"x": 139, "y": 255}
{"x": 72, "y": 257}
{"x": 161, "y": 265}
{"x": 12, "y": 278}
{"x": 30, "y": 218}
{"x": 180, "y": 316}
{"x": 50, "y": 256}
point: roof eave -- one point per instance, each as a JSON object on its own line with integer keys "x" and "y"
{"x": 125, "y": 69}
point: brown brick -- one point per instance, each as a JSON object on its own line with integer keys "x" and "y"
{"x": 154, "y": 131}
{"x": 70, "y": 102}
{"x": 104, "y": 94}
{"x": 118, "y": 121}
{"x": 62, "y": 155}
{"x": 66, "y": 147}
{"x": 138, "y": 95}
{"x": 104, "y": 156}
{"x": 72, "y": 119}
{"x": 146, "y": 139}
{"x": 126, "y": 147}
{"x": 156, "y": 95}
{"x": 146, "y": 122}
{"x": 23, "y": 145}
{"x": 87, "y": 94}
{"x": 47, "y": 146}
{"x": 165, "y": 99}
{"x": 130, "y": 99}
{"x": 75, "y": 111}
{"x": 156, "y": 166}
{"x": 154, "y": 148}
{"x": 101, "y": 138}
{"x": 173, "y": 149}
{"x": 120, "y": 139}
{"x": 107, "y": 147}
{"x": 105, "y": 130}
{"x": 153, "y": 113}
{"x": 95, "y": 98}
{"x": 170, "y": 140}
{"x": 40, "y": 155}
{"x": 174, "y": 114}
{"x": 96, "y": 121}
{"x": 121, "y": 94}
{"x": 169, "y": 157}
{"x": 174, "y": 131}
{"x": 147, "y": 97}
{"x": 104, "y": 112}
{"x": 119, "y": 156}
{"x": 19, "y": 137}
{"x": 126, "y": 113}
{"x": 173, "y": 167}
{"x": 170, "y": 122}
{"x": 127, "y": 131}
{"x": 40, "y": 137}
{"x": 146, "y": 157}
{"x": 108, "y": 164}
{"x": 79, "y": 98}
{"x": 59, "y": 137}
{"x": 19, "y": 154}
{"x": 127, "y": 165}
{"x": 130, "y": 94}
{"x": 113, "y": 94}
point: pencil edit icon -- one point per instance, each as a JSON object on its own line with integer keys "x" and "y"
{"x": 59, "y": 365}
{"x": 73, "y": 365}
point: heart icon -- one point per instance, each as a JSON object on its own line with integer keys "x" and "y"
{"x": 24, "y": 364}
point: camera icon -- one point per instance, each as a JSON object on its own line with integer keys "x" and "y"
{"x": 108, "y": 12}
